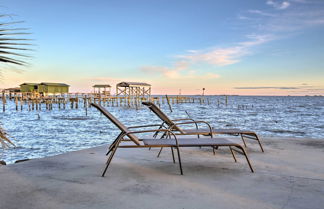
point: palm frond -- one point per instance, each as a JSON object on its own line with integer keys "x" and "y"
{"x": 12, "y": 42}
{"x": 4, "y": 139}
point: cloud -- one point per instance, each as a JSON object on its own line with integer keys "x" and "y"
{"x": 216, "y": 56}
{"x": 178, "y": 71}
{"x": 267, "y": 87}
{"x": 303, "y": 88}
{"x": 227, "y": 55}
{"x": 301, "y": 16}
{"x": 259, "y": 12}
{"x": 169, "y": 72}
{"x": 278, "y": 5}
{"x": 109, "y": 80}
{"x": 268, "y": 26}
{"x": 321, "y": 89}
{"x": 296, "y": 20}
{"x": 300, "y": 1}
{"x": 243, "y": 17}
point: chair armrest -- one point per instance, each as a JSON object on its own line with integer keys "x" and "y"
{"x": 147, "y": 131}
{"x": 154, "y": 130}
{"x": 195, "y": 122}
{"x": 182, "y": 119}
{"x": 143, "y": 126}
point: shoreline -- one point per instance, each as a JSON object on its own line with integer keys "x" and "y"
{"x": 289, "y": 174}
{"x": 307, "y": 139}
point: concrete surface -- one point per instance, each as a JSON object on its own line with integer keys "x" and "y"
{"x": 290, "y": 174}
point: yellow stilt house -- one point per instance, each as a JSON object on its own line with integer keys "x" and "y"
{"x": 45, "y": 88}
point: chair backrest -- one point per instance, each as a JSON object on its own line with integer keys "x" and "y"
{"x": 161, "y": 115}
{"x": 116, "y": 122}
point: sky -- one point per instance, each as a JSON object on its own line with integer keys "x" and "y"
{"x": 250, "y": 47}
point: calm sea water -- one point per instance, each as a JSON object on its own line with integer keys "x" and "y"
{"x": 45, "y": 133}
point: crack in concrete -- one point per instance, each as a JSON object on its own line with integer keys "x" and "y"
{"x": 292, "y": 182}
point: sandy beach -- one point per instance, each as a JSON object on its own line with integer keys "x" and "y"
{"x": 290, "y": 174}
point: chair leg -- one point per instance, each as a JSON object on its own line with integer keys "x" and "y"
{"x": 172, "y": 155}
{"x": 179, "y": 158}
{"x": 114, "y": 143}
{"x": 159, "y": 152}
{"x": 233, "y": 154}
{"x": 257, "y": 138}
{"x": 243, "y": 140}
{"x": 246, "y": 157}
{"x": 113, "y": 151}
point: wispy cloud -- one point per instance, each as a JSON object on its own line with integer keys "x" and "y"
{"x": 243, "y": 17}
{"x": 278, "y": 4}
{"x": 285, "y": 20}
{"x": 109, "y": 80}
{"x": 259, "y": 12}
{"x": 304, "y": 87}
{"x": 228, "y": 55}
{"x": 268, "y": 25}
{"x": 173, "y": 72}
{"x": 178, "y": 71}
{"x": 215, "y": 57}
{"x": 295, "y": 20}
{"x": 266, "y": 87}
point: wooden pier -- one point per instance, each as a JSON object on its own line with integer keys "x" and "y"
{"x": 34, "y": 101}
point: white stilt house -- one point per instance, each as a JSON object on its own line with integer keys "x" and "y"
{"x": 133, "y": 89}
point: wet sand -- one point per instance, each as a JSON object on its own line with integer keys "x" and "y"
{"x": 290, "y": 174}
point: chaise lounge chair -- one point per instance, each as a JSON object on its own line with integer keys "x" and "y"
{"x": 172, "y": 141}
{"x": 173, "y": 125}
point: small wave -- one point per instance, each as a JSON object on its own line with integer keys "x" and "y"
{"x": 291, "y": 111}
{"x": 301, "y": 106}
{"x": 253, "y": 114}
{"x": 280, "y": 131}
{"x": 71, "y": 118}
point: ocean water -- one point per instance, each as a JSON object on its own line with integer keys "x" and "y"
{"x": 46, "y": 133}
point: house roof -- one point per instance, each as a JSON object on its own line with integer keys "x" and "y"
{"x": 45, "y": 83}
{"x": 101, "y": 86}
{"x": 15, "y": 89}
{"x": 53, "y": 84}
{"x": 128, "y": 84}
{"x": 30, "y": 84}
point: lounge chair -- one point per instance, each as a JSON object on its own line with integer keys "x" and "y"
{"x": 174, "y": 126}
{"x": 132, "y": 141}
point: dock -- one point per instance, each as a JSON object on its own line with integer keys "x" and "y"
{"x": 28, "y": 101}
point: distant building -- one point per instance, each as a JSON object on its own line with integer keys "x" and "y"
{"x": 102, "y": 89}
{"x": 12, "y": 90}
{"x": 45, "y": 88}
{"x": 131, "y": 89}
{"x": 29, "y": 87}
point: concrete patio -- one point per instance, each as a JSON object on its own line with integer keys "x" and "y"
{"x": 290, "y": 174}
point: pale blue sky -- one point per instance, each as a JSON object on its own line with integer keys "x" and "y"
{"x": 225, "y": 46}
